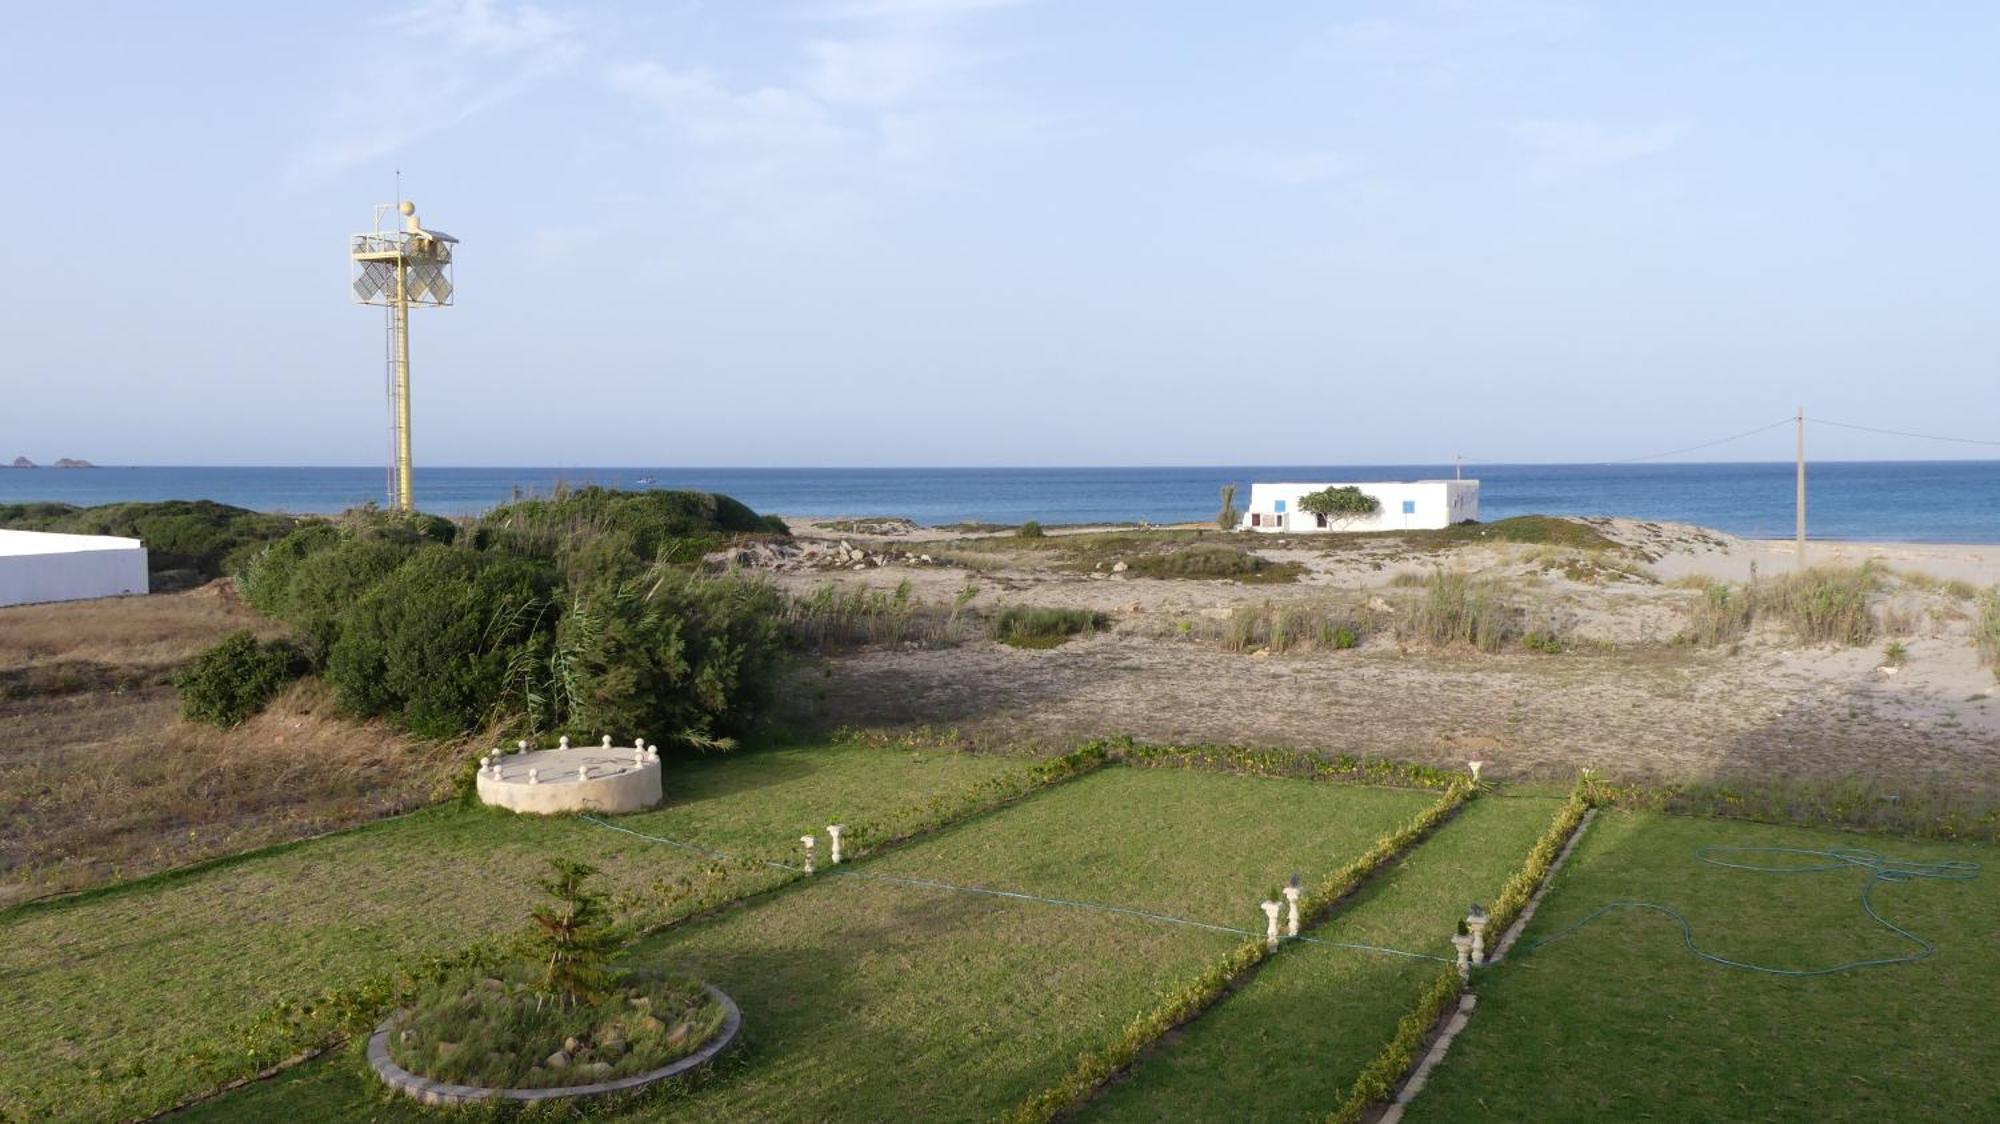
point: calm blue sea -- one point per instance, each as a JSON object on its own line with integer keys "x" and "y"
{"x": 1921, "y": 501}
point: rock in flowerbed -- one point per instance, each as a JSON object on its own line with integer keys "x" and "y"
{"x": 506, "y": 1034}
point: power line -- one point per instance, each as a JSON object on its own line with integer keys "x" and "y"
{"x": 1704, "y": 444}
{"x": 1905, "y": 433}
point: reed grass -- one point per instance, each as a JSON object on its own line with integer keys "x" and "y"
{"x": 1022, "y": 626}
{"x": 1453, "y": 609}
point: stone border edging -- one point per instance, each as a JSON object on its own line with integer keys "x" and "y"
{"x": 428, "y": 1091}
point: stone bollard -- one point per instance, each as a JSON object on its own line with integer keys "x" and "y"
{"x": 563, "y": 742}
{"x": 1475, "y": 921}
{"x": 1463, "y": 943}
{"x": 521, "y": 746}
{"x": 1475, "y": 766}
{"x": 607, "y": 741}
{"x": 652, "y": 753}
{"x": 534, "y": 776}
{"x": 483, "y": 762}
{"x": 582, "y": 773}
{"x": 833, "y": 831}
{"x": 638, "y": 756}
{"x": 807, "y": 842}
{"x": 638, "y": 743}
{"x": 1292, "y": 893}
{"x": 1271, "y": 923}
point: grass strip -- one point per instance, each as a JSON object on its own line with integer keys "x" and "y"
{"x": 1096, "y": 1066}
{"x": 1621, "y": 1022}
{"x": 1379, "y": 1078}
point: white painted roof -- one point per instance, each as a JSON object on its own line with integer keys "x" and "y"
{"x": 18, "y": 543}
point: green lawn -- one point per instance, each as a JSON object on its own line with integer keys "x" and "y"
{"x": 1619, "y": 1021}
{"x": 868, "y": 1001}
{"x": 125, "y": 1001}
{"x": 1290, "y": 1043}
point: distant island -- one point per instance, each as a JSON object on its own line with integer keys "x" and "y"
{"x": 62, "y": 462}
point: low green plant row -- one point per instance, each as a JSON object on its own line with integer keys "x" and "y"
{"x": 1290, "y": 763}
{"x": 1378, "y": 1079}
{"x": 1515, "y": 894}
{"x": 1924, "y": 811}
{"x": 294, "y": 1028}
{"x": 1096, "y": 1066}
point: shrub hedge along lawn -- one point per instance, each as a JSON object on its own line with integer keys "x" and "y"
{"x": 1618, "y": 1021}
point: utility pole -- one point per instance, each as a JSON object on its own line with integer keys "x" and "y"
{"x": 1460, "y": 474}
{"x": 1800, "y": 552}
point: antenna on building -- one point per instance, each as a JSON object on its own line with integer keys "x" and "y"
{"x": 401, "y": 267}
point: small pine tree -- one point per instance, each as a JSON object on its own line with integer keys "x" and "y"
{"x": 573, "y": 936}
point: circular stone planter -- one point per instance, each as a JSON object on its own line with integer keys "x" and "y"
{"x": 439, "y": 1092}
{"x": 583, "y": 778}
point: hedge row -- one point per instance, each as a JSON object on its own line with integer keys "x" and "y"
{"x": 1290, "y": 763}
{"x": 1096, "y": 1066}
{"x": 1379, "y": 1078}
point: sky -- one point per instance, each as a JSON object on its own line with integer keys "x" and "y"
{"x": 983, "y": 232}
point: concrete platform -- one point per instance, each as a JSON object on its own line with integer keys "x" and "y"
{"x": 589, "y": 778}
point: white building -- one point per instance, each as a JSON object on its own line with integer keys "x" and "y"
{"x": 1408, "y": 506}
{"x": 38, "y": 566}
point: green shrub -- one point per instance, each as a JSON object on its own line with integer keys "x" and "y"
{"x": 198, "y": 538}
{"x": 1030, "y": 530}
{"x": 1025, "y": 627}
{"x": 431, "y": 642}
{"x": 598, "y": 533}
{"x": 670, "y": 656}
{"x": 1211, "y": 563}
{"x": 235, "y": 679}
{"x": 264, "y": 575}
{"x": 327, "y": 585}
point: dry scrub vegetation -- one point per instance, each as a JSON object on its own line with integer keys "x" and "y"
{"x": 106, "y": 780}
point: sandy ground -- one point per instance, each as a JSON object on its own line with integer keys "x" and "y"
{"x": 106, "y": 781}
{"x": 1622, "y": 698}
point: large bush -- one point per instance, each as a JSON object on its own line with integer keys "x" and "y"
{"x": 670, "y": 656}
{"x": 431, "y": 642}
{"x": 597, "y": 534}
{"x": 185, "y": 539}
{"x": 235, "y": 679}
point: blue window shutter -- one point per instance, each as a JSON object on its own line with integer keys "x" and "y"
{"x": 1409, "y": 507}
{"x": 1279, "y": 507}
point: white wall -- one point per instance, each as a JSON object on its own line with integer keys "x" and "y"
{"x": 35, "y": 567}
{"x": 1437, "y": 503}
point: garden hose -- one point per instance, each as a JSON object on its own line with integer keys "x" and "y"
{"x": 1880, "y": 869}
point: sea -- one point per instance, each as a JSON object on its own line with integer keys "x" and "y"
{"x": 1910, "y": 501}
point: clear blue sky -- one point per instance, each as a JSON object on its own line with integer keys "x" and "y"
{"x": 870, "y": 232}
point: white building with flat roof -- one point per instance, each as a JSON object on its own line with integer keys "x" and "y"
{"x": 1416, "y": 505}
{"x": 39, "y": 566}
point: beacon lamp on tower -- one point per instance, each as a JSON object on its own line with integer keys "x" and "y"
{"x": 401, "y": 268}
